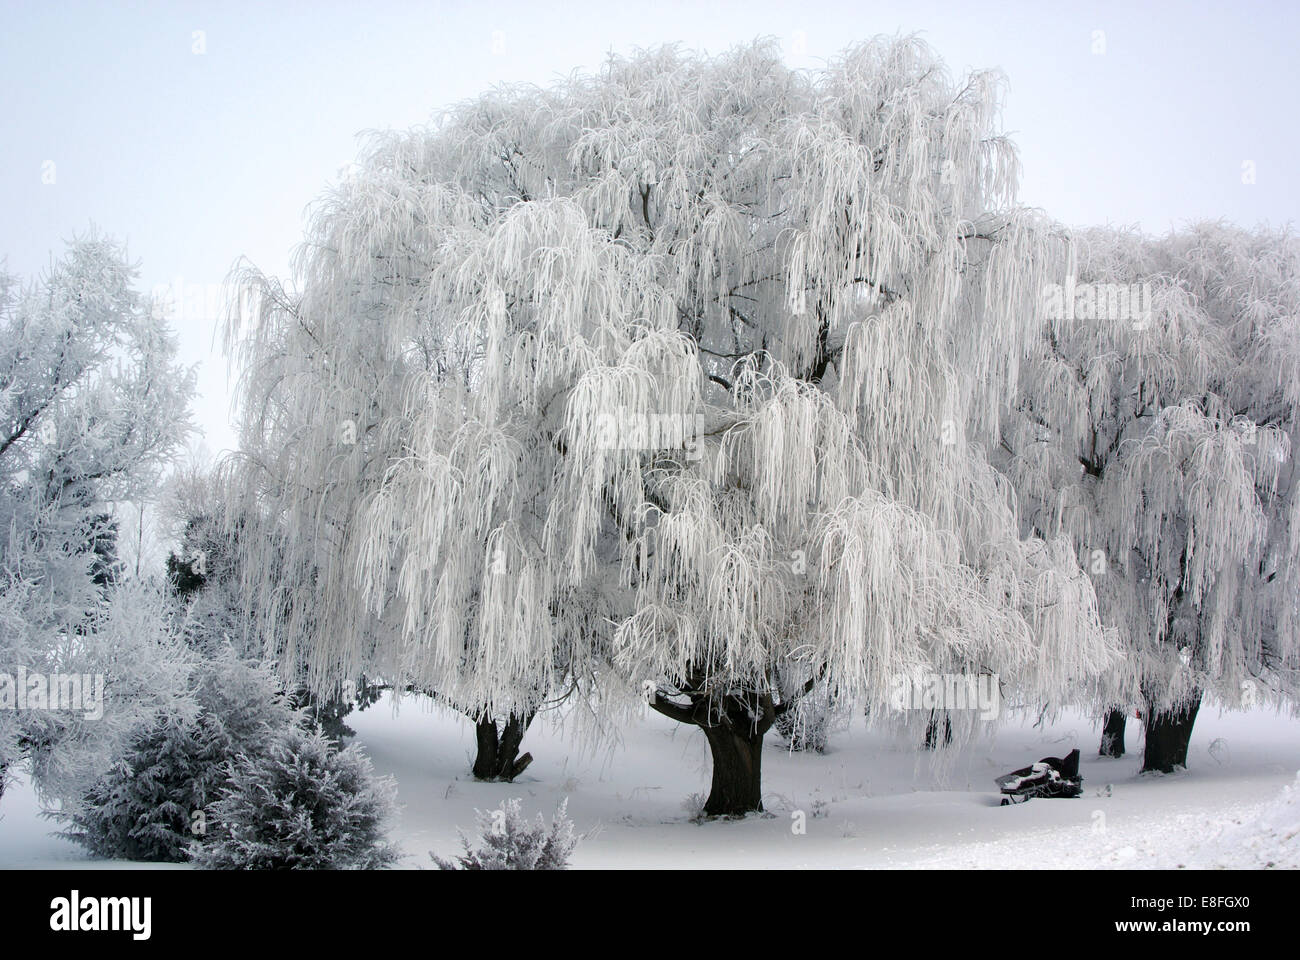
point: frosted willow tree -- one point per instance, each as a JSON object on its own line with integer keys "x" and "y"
{"x": 1155, "y": 428}
{"x": 678, "y": 374}
{"x": 92, "y": 406}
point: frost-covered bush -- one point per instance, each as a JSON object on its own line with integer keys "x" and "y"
{"x": 806, "y": 725}
{"x": 151, "y": 804}
{"x": 300, "y": 806}
{"x": 804, "y": 730}
{"x": 509, "y": 842}
{"x": 804, "y": 711}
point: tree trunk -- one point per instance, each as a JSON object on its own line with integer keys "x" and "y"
{"x": 1168, "y": 734}
{"x": 498, "y": 749}
{"x": 1112, "y": 733}
{"x": 932, "y": 731}
{"x": 733, "y": 725}
{"x": 485, "y": 760}
{"x": 737, "y": 771}
{"x": 510, "y": 764}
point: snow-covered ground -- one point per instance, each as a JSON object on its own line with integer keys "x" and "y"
{"x": 870, "y": 802}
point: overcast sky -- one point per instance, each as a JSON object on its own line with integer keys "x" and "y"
{"x": 199, "y": 132}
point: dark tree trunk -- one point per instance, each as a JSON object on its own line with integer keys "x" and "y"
{"x": 737, "y": 771}
{"x": 510, "y": 763}
{"x": 733, "y": 725}
{"x": 1168, "y": 734}
{"x": 932, "y": 731}
{"x": 498, "y": 748}
{"x": 485, "y": 760}
{"x": 1112, "y": 733}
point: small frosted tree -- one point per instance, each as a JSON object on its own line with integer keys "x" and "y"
{"x": 300, "y": 805}
{"x": 92, "y": 406}
{"x": 1155, "y": 428}
{"x": 680, "y": 373}
{"x": 151, "y": 804}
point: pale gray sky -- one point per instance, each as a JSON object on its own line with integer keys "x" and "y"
{"x": 199, "y": 132}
